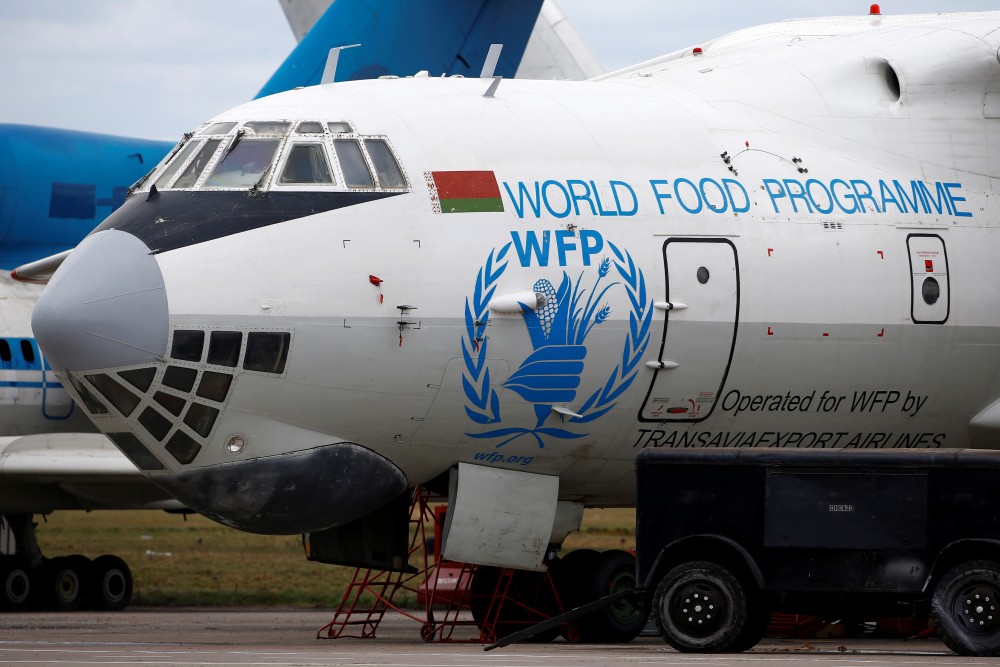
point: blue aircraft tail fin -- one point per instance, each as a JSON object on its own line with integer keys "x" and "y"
{"x": 402, "y": 38}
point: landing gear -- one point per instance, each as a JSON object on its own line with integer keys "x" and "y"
{"x": 583, "y": 576}
{"x": 67, "y": 583}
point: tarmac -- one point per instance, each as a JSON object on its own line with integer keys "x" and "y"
{"x": 288, "y": 637}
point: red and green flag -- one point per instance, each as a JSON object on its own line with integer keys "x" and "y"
{"x": 467, "y": 191}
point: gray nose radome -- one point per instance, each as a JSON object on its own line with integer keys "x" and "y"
{"x": 106, "y": 306}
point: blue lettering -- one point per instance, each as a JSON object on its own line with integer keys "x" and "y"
{"x": 591, "y": 243}
{"x": 847, "y": 195}
{"x": 907, "y": 203}
{"x": 724, "y": 206}
{"x": 618, "y": 202}
{"x": 530, "y": 247}
{"x": 800, "y": 194}
{"x": 774, "y": 194}
{"x": 810, "y": 184}
{"x": 580, "y": 197}
{"x": 523, "y": 193}
{"x": 546, "y": 186}
{"x": 600, "y": 206}
{"x": 564, "y": 244}
{"x": 953, "y": 199}
{"x": 863, "y": 194}
{"x": 940, "y": 203}
{"x": 680, "y": 199}
{"x": 660, "y": 196}
{"x": 888, "y": 198}
{"x": 745, "y": 206}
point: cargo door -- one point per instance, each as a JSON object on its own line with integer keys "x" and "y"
{"x": 930, "y": 292}
{"x": 699, "y": 332}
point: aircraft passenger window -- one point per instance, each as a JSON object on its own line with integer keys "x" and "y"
{"x": 218, "y": 128}
{"x": 340, "y": 128}
{"x": 389, "y": 174}
{"x": 181, "y": 379}
{"x": 173, "y": 404}
{"x": 266, "y": 352}
{"x": 309, "y": 127}
{"x": 352, "y": 163}
{"x": 702, "y": 275}
{"x": 123, "y": 400}
{"x": 135, "y": 451}
{"x": 931, "y": 291}
{"x": 224, "y": 348}
{"x": 187, "y": 345}
{"x": 157, "y": 425}
{"x": 244, "y": 165}
{"x": 306, "y": 164}
{"x": 201, "y": 419}
{"x": 214, "y": 386}
{"x": 140, "y": 378}
{"x": 27, "y": 351}
{"x": 266, "y": 126}
{"x": 198, "y": 164}
{"x": 93, "y": 405}
{"x": 176, "y": 164}
{"x": 4, "y": 350}
{"x": 182, "y": 447}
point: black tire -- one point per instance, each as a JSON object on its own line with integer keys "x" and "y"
{"x": 702, "y": 607}
{"x": 623, "y": 621}
{"x": 108, "y": 583}
{"x": 59, "y": 584}
{"x": 572, "y": 574}
{"x": 758, "y": 619}
{"x": 15, "y": 584}
{"x": 965, "y": 608}
{"x": 529, "y": 600}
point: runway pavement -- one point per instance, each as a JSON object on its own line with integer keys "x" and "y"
{"x": 288, "y": 637}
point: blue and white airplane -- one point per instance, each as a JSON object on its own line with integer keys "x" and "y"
{"x": 505, "y": 289}
{"x": 55, "y": 185}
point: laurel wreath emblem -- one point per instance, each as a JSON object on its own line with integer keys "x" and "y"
{"x": 483, "y": 401}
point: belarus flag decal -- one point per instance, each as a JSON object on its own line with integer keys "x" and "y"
{"x": 464, "y": 191}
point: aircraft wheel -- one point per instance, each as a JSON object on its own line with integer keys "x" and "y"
{"x": 109, "y": 583}
{"x": 15, "y": 584}
{"x": 965, "y": 608}
{"x": 702, "y": 607}
{"x": 529, "y": 600}
{"x": 570, "y": 574}
{"x": 59, "y": 583}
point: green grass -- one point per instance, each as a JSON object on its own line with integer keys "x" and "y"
{"x": 178, "y": 561}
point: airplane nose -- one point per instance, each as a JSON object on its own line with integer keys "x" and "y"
{"x": 105, "y": 307}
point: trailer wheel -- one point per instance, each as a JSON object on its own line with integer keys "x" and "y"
{"x": 966, "y": 608}
{"x": 702, "y": 607}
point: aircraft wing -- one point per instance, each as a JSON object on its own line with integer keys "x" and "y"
{"x": 46, "y": 472}
{"x": 554, "y": 51}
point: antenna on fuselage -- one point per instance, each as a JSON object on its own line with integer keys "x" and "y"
{"x": 489, "y": 66}
{"x": 330, "y": 71}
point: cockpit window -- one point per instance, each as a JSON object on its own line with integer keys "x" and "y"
{"x": 266, "y": 126}
{"x": 309, "y": 127}
{"x": 217, "y": 128}
{"x": 198, "y": 164}
{"x": 306, "y": 164}
{"x": 389, "y": 174}
{"x": 176, "y": 164}
{"x": 340, "y": 128}
{"x": 245, "y": 163}
{"x": 352, "y": 163}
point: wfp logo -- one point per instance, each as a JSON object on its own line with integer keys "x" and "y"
{"x": 550, "y": 377}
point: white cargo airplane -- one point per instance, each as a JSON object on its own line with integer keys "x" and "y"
{"x": 782, "y": 238}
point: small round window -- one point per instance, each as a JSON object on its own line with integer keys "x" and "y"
{"x": 931, "y": 291}
{"x": 702, "y": 275}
